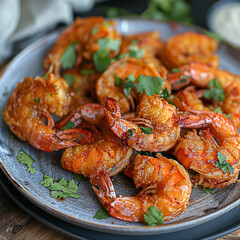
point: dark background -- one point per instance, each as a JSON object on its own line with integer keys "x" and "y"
{"x": 199, "y": 8}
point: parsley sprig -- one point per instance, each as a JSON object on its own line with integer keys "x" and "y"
{"x": 153, "y": 216}
{"x": 69, "y": 78}
{"x": 223, "y": 164}
{"x": 60, "y": 188}
{"x": 69, "y": 125}
{"x": 215, "y": 91}
{"x": 26, "y": 159}
{"x": 219, "y": 110}
{"x": 146, "y": 130}
{"x": 208, "y": 190}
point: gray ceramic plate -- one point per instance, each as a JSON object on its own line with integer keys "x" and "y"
{"x": 203, "y": 207}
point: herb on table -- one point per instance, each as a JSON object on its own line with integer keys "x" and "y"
{"x": 37, "y": 100}
{"x": 60, "y": 188}
{"x": 153, "y": 216}
{"x": 26, "y": 159}
{"x": 219, "y": 110}
{"x": 215, "y": 91}
{"x": 69, "y": 79}
{"x": 69, "y": 125}
{"x": 223, "y": 164}
{"x": 146, "y": 130}
{"x": 208, "y": 190}
{"x": 149, "y": 85}
{"x": 69, "y": 56}
{"x": 101, "y": 213}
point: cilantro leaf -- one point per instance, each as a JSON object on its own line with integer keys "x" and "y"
{"x": 130, "y": 132}
{"x": 69, "y": 56}
{"x": 95, "y": 30}
{"x": 213, "y": 35}
{"x": 118, "y": 80}
{"x": 69, "y": 79}
{"x": 146, "y": 130}
{"x": 87, "y": 72}
{"x": 69, "y": 125}
{"x": 60, "y": 188}
{"x": 37, "y": 100}
{"x": 79, "y": 177}
{"x": 153, "y": 216}
{"x": 149, "y": 85}
{"x": 101, "y": 60}
{"x": 107, "y": 43}
{"x": 223, "y": 164}
{"x": 215, "y": 91}
{"x": 208, "y": 190}
{"x": 135, "y": 51}
{"x": 175, "y": 70}
{"x": 26, "y": 159}
{"x": 219, "y": 110}
{"x": 101, "y": 213}
{"x": 165, "y": 93}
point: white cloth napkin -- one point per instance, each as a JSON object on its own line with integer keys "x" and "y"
{"x": 24, "y": 18}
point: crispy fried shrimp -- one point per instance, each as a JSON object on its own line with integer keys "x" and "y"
{"x": 146, "y": 45}
{"x": 85, "y": 32}
{"x": 81, "y": 87}
{"x": 189, "y": 47}
{"x": 103, "y": 157}
{"x": 165, "y": 184}
{"x": 201, "y": 153}
{"x": 154, "y": 113}
{"x": 200, "y": 74}
{"x": 106, "y": 84}
{"x": 30, "y": 105}
{"x": 189, "y": 98}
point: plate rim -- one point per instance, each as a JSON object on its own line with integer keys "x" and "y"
{"x": 124, "y": 230}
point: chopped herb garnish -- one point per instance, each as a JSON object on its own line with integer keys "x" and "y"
{"x": 135, "y": 51}
{"x": 175, "y": 70}
{"x": 149, "y": 85}
{"x": 114, "y": 168}
{"x": 219, "y": 110}
{"x": 213, "y": 35}
{"x": 107, "y": 43}
{"x": 37, "y": 100}
{"x": 146, "y": 130}
{"x": 69, "y": 125}
{"x": 69, "y": 79}
{"x": 215, "y": 91}
{"x": 101, "y": 213}
{"x": 87, "y": 72}
{"x": 51, "y": 94}
{"x": 101, "y": 60}
{"x": 95, "y": 30}
{"x": 107, "y": 24}
{"x": 60, "y": 188}
{"x": 153, "y": 216}
{"x": 134, "y": 41}
{"x": 165, "y": 93}
{"x": 118, "y": 80}
{"x": 69, "y": 56}
{"x": 223, "y": 164}
{"x": 208, "y": 190}
{"x": 79, "y": 177}
{"x": 130, "y": 132}
{"x": 45, "y": 75}
{"x": 24, "y": 158}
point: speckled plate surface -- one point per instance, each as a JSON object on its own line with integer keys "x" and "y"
{"x": 203, "y": 207}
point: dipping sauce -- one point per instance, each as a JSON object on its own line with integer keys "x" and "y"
{"x": 225, "y": 21}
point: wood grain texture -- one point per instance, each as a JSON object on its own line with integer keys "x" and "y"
{"x": 15, "y": 224}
